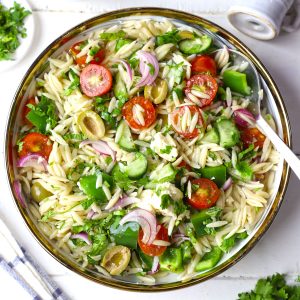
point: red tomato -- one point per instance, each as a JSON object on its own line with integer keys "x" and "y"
{"x": 95, "y": 80}
{"x": 177, "y": 116}
{"x": 154, "y": 250}
{"x": 36, "y": 143}
{"x": 205, "y": 84}
{"x": 204, "y": 64}
{"x": 98, "y": 57}
{"x": 26, "y": 110}
{"x": 206, "y": 195}
{"x": 252, "y": 136}
{"x": 149, "y": 112}
{"x": 183, "y": 164}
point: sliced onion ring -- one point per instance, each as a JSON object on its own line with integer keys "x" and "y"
{"x": 243, "y": 117}
{"x": 35, "y": 161}
{"x": 101, "y": 147}
{"x": 18, "y": 190}
{"x": 82, "y": 236}
{"x": 127, "y": 67}
{"x": 227, "y": 184}
{"x": 125, "y": 201}
{"x": 146, "y": 220}
{"x": 145, "y": 59}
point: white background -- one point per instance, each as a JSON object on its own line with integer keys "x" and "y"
{"x": 278, "y": 251}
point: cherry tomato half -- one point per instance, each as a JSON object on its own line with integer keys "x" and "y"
{"x": 154, "y": 250}
{"x": 206, "y": 195}
{"x": 252, "y": 136}
{"x": 36, "y": 143}
{"x": 95, "y": 80}
{"x": 204, "y": 64}
{"x": 149, "y": 113}
{"x": 203, "y": 83}
{"x": 26, "y": 110}
{"x": 182, "y": 129}
{"x": 98, "y": 57}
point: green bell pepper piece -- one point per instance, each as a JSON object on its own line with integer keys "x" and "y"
{"x": 209, "y": 260}
{"x": 88, "y": 186}
{"x": 126, "y": 235}
{"x": 186, "y": 249}
{"x": 216, "y": 174}
{"x": 171, "y": 260}
{"x": 236, "y": 81}
{"x": 199, "y": 218}
{"x": 122, "y": 42}
{"x": 147, "y": 260}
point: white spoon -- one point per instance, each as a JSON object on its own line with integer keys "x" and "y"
{"x": 254, "y": 107}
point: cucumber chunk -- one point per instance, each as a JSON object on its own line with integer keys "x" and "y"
{"x": 228, "y": 132}
{"x": 119, "y": 88}
{"x": 125, "y": 142}
{"x": 195, "y": 46}
{"x": 212, "y": 136}
{"x": 137, "y": 168}
{"x": 166, "y": 174}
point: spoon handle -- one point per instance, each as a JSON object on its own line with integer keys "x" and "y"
{"x": 281, "y": 147}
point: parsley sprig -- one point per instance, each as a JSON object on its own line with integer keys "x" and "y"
{"x": 11, "y": 29}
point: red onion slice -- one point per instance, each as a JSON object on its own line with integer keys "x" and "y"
{"x": 90, "y": 214}
{"x": 18, "y": 190}
{"x": 155, "y": 266}
{"x": 127, "y": 67}
{"x": 82, "y": 236}
{"x": 125, "y": 201}
{"x": 227, "y": 184}
{"x": 101, "y": 147}
{"x": 243, "y": 117}
{"x": 146, "y": 220}
{"x": 35, "y": 161}
{"x": 179, "y": 238}
{"x": 147, "y": 58}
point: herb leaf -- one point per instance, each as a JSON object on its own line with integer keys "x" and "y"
{"x": 11, "y": 28}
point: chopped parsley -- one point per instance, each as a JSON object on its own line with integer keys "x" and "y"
{"x": 151, "y": 69}
{"x": 93, "y": 51}
{"x": 273, "y": 287}
{"x": 111, "y": 36}
{"x": 11, "y": 29}
{"x": 43, "y": 115}
{"x": 168, "y": 37}
{"x": 167, "y": 150}
{"x": 166, "y": 201}
{"x": 75, "y": 82}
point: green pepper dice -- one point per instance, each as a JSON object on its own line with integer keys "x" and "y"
{"x": 199, "y": 219}
{"x": 216, "y": 174}
{"x": 171, "y": 260}
{"x": 236, "y": 81}
{"x": 209, "y": 260}
{"x": 126, "y": 235}
{"x": 88, "y": 186}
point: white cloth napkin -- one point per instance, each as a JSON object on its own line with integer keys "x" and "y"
{"x": 20, "y": 270}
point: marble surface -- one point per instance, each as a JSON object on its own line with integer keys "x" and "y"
{"x": 278, "y": 251}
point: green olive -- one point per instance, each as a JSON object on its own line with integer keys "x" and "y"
{"x": 38, "y": 192}
{"x": 186, "y": 34}
{"x": 158, "y": 92}
{"x": 116, "y": 259}
{"x": 91, "y": 125}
